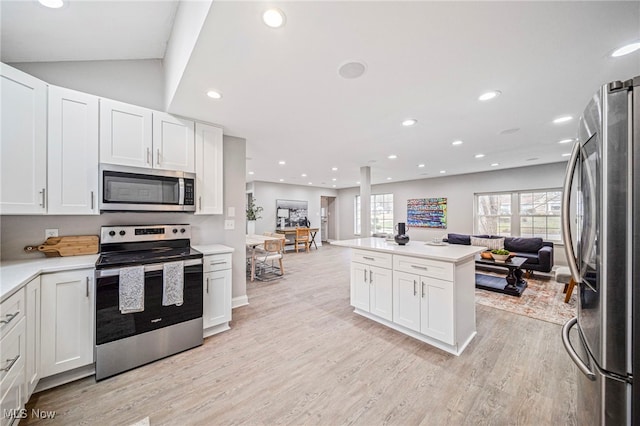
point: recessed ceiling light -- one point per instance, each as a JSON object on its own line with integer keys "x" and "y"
{"x": 457, "y": 143}
{"x": 310, "y": 183}
{"x": 392, "y": 157}
{"x": 214, "y": 95}
{"x": 566, "y": 154}
{"x": 334, "y": 169}
{"x": 334, "y": 179}
{"x": 566, "y": 141}
{"x": 489, "y": 95}
{"x": 625, "y": 50}
{"x": 352, "y": 69}
{"x": 304, "y": 175}
{"x": 53, "y": 4}
{"x": 409, "y": 122}
{"x": 273, "y": 18}
{"x": 250, "y": 173}
{"x": 357, "y": 183}
{"x": 389, "y": 178}
{"x": 495, "y": 164}
{"x": 563, "y": 119}
{"x": 421, "y": 165}
{"x": 282, "y": 162}
{"x": 443, "y": 171}
{"x": 281, "y": 180}
{"x": 333, "y": 186}
{"x": 479, "y": 155}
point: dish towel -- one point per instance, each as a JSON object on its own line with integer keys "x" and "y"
{"x": 173, "y": 283}
{"x": 131, "y": 289}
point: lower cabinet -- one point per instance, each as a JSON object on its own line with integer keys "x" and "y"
{"x": 371, "y": 289}
{"x": 217, "y": 292}
{"x": 424, "y": 304}
{"x": 32, "y": 368}
{"x": 67, "y": 321}
{"x": 12, "y": 357}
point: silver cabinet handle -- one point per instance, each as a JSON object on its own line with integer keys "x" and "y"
{"x": 10, "y": 318}
{"x": 92, "y": 202}
{"x": 368, "y": 258}
{"x": 11, "y": 362}
{"x": 207, "y": 285}
{"x": 415, "y": 292}
{"x": 200, "y": 202}
{"x": 572, "y": 353}
{"x": 218, "y": 263}
{"x": 423, "y": 289}
{"x": 424, "y": 268}
{"x": 87, "y": 287}
{"x": 565, "y": 212}
{"x": 43, "y": 192}
{"x": 370, "y": 276}
{"x": 365, "y": 275}
{"x": 148, "y": 155}
{"x": 158, "y": 152}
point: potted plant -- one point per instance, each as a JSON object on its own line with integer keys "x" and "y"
{"x": 253, "y": 213}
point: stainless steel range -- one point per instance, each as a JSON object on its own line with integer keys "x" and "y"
{"x": 148, "y": 296}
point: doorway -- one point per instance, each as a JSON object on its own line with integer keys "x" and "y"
{"x": 328, "y": 219}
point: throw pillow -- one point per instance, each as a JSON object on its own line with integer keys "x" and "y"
{"x": 458, "y": 239}
{"x": 490, "y": 243}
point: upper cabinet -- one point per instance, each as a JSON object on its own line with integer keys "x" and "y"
{"x": 135, "y": 136}
{"x": 209, "y": 172}
{"x": 72, "y": 152}
{"x": 125, "y": 134}
{"x": 23, "y": 143}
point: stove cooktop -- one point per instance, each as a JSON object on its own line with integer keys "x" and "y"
{"x": 145, "y": 257}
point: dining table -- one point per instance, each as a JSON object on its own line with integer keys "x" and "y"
{"x": 253, "y": 241}
{"x": 292, "y": 231}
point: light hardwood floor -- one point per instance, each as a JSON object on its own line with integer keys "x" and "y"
{"x": 297, "y": 354}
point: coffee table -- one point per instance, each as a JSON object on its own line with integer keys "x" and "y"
{"x": 512, "y": 284}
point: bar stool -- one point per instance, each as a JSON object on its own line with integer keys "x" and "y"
{"x": 563, "y": 276}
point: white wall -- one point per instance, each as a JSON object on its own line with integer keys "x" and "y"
{"x": 138, "y": 82}
{"x": 459, "y": 191}
{"x": 265, "y": 195}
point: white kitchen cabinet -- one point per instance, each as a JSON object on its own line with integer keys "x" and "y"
{"x": 23, "y": 143}
{"x": 12, "y": 356}
{"x": 67, "y": 321}
{"x": 371, "y": 289}
{"x": 216, "y": 293}
{"x": 173, "y": 143}
{"x": 72, "y": 152}
{"x": 125, "y": 134}
{"x": 209, "y": 169}
{"x": 424, "y": 304}
{"x": 32, "y": 359}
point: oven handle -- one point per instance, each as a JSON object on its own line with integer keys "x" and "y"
{"x": 147, "y": 268}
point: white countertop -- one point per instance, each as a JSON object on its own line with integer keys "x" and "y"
{"x": 14, "y": 274}
{"x": 447, "y": 252}
{"x": 213, "y": 249}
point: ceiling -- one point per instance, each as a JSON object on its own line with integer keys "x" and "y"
{"x": 424, "y": 60}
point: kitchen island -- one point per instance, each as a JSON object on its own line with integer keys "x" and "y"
{"x": 423, "y": 290}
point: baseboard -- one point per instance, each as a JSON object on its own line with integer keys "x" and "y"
{"x": 66, "y": 377}
{"x": 216, "y": 329}
{"x": 236, "y": 302}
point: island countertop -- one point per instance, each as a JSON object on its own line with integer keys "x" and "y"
{"x": 447, "y": 252}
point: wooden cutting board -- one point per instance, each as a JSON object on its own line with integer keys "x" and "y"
{"x": 67, "y": 246}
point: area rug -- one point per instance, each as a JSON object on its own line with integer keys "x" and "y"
{"x": 542, "y": 299}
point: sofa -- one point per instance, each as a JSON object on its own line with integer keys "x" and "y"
{"x": 539, "y": 254}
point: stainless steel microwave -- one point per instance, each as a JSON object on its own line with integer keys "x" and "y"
{"x": 124, "y": 188}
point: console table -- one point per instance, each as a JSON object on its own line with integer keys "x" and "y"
{"x": 292, "y": 231}
{"x": 512, "y": 284}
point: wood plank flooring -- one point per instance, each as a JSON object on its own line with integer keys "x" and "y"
{"x": 297, "y": 354}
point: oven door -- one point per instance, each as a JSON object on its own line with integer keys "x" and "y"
{"x": 113, "y": 325}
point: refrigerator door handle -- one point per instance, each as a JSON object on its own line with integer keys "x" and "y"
{"x": 566, "y": 329}
{"x": 566, "y": 212}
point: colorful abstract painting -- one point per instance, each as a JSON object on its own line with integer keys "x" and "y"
{"x": 427, "y": 213}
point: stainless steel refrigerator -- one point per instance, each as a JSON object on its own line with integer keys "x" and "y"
{"x": 601, "y": 230}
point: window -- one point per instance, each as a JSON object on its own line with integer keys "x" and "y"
{"x": 520, "y": 214}
{"x": 381, "y": 214}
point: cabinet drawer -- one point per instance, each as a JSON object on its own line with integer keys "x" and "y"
{"x": 12, "y": 352}
{"x": 217, "y": 262}
{"x": 425, "y": 267}
{"x": 375, "y": 258}
{"x": 11, "y": 310}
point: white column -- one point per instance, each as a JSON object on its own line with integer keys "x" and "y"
{"x": 365, "y": 202}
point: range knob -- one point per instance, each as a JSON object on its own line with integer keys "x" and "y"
{"x": 182, "y": 231}
{"x": 175, "y": 231}
{"x": 112, "y": 233}
{"x": 122, "y": 233}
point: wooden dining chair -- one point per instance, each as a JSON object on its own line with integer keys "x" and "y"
{"x": 265, "y": 260}
{"x": 303, "y": 237}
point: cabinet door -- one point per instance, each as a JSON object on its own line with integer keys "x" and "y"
{"x": 217, "y": 298}
{"x": 23, "y": 143}
{"x": 125, "y": 134}
{"x": 359, "y": 286}
{"x": 67, "y": 321}
{"x": 173, "y": 143}
{"x": 381, "y": 292}
{"x": 209, "y": 172}
{"x": 72, "y": 152}
{"x": 437, "y": 309}
{"x": 32, "y": 358}
{"x": 406, "y": 300}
